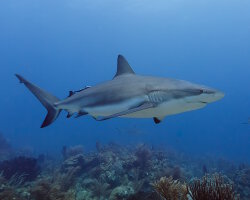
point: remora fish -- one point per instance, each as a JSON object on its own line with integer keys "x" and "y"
{"x": 127, "y": 95}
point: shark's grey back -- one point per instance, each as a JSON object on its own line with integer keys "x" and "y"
{"x": 122, "y": 88}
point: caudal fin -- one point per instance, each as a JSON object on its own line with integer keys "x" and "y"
{"x": 45, "y": 98}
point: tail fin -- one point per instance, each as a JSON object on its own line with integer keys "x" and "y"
{"x": 45, "y": 98}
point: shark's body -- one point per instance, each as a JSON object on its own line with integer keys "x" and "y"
{"x": 128, "y": 95}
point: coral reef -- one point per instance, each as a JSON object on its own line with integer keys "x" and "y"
{"x": 145, "y": 196}
{"x": 122, "y": 172}
{"x": 143, "y": 155}
{"x": 50, "y": 190}
{"x": 68, "y": 152}
{"x": 121, "y": 192}
{"x": 241, "y": 180}
{"x": 20, "y": 166}
{"x": 211, "y": 187}
{"x": 12, "y": 188}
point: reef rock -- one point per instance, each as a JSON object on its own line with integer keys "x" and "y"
{"x": 73, "y": 162}
{"x": 68, "y": 152}
{"x": 121, "y": 193}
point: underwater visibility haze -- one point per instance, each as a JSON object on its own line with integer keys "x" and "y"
{"x": 70, "y": 49}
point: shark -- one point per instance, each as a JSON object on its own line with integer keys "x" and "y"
{"x": 127, "y": 95}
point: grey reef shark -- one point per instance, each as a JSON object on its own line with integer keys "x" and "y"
{"x": 127, "y": 95}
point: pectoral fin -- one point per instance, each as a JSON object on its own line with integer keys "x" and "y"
{"x": 143, "y": 106}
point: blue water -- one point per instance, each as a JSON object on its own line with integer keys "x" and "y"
{"x": 65, "y": 45}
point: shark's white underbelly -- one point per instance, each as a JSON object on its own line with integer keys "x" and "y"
{"x": 111, "y": 109}
{"x": 163, "y": 109}
{"x": 167, "y": 108}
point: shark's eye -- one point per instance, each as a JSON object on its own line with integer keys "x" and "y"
{"x": 204, "y": 91}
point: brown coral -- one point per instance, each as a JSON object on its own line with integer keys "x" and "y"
{"x": 46, "y": 189}
{"x": 67, "y": 180}
{"x": 171, "y": 189}
{"x": 212, "y": 188}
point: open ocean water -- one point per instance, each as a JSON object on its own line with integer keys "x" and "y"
{"x": 63, "y": 46}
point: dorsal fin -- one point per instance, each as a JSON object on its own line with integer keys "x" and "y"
{"x": 123, "y": 67}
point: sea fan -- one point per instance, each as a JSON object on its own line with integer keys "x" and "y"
{"x": 171, "y": 189}
{"x": 212, "y": 188}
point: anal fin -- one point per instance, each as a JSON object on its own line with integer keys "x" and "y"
{"x": 69, "y": 115}
{"x": 81, "y": 113}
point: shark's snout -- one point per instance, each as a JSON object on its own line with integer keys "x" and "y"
{"x": 212, "y": 95}
{"x": 218, "y": 95}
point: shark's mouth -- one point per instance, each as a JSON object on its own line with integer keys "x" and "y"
{"x": 203, "y": 102}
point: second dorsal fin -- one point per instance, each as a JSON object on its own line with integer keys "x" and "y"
{"x": 123, "y": 67}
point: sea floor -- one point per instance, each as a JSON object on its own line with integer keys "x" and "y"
{"x": 121, "y": 172}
